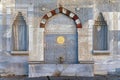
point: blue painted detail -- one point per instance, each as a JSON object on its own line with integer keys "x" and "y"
{"x": 67, "y": 51}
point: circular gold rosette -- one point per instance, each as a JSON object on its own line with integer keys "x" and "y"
{"x": 60, "y": 40}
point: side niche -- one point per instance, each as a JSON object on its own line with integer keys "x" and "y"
{"x": 100, "y": 35}
{"x": 19, "y": 35}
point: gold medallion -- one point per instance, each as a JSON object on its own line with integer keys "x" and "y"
{"x": 60, "y": 40}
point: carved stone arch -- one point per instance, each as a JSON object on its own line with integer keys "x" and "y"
{"x": 63, "y": 11}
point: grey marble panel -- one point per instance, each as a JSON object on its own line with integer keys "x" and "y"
{"x": 115, "y": 38}
{"x": 85, "y": 14}
{"x": 67, "y": 50}
{"x": 107, "y": 5}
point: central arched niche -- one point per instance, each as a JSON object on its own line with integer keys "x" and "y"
{"x": 61, "y": 45}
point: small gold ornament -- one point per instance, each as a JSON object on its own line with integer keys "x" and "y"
{"x": 60, "y": 40}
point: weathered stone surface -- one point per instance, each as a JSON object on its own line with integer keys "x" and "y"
{"x": 37, "y": 48}
{"x": 37, "y": 70}
{"x": 34, "y": 10}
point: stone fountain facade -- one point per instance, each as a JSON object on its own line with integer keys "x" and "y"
{"x": 59, "y": 37}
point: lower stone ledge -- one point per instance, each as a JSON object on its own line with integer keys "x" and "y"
{"x": 19, "y": 53}
{"x": 101, "y": 52}
{"x": 86, "y": 62}
{"x": 36, "y": 62}
{"x": 96, "y": 73}
{"x": 40, "y": 70}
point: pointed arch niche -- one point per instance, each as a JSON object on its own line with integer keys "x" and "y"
{"x": 19, "y": 35}
{"x": 52, "y": 13}
{"x": 100, "y": 36}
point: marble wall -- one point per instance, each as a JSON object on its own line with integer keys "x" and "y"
{"x": 86, "y": 10}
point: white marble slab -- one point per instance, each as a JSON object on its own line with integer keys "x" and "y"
{"x": 38, "y": 70}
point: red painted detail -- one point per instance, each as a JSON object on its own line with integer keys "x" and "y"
{"x": 68, "y": 12}
{"x": 42, "y": 25}
{"x": 75, "y": 17}
{"x": 53, "y": 12}
{"x": 79, "y": 25}
{"x": 45, "y": 17}
{"x": 60, "y": 9}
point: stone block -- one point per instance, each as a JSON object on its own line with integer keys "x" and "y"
{"x": 38, "y": 70}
